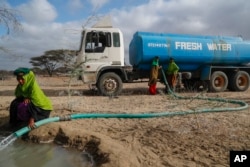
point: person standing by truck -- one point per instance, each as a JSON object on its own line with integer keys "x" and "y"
{"x": 153, "y": 77}
{"x": 172, "y": 72}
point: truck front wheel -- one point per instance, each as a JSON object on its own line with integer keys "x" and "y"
{"x": 109, "y": 84}
{"x": 218, "y": 82}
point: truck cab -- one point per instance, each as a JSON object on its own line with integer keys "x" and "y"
{"x": 101, "y": 52}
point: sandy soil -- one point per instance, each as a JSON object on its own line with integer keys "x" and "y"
{"x": 183, "y": 140}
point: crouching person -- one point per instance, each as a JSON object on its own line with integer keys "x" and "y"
{"x": 31, "y": 104}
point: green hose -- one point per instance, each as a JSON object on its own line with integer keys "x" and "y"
{"x": 243, "y": 105}
{"x": 37, "y": 124}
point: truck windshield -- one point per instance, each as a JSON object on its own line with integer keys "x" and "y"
{"x": 96, "y": 41}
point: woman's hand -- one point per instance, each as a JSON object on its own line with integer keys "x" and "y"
{"x": 26, "y": 101}
{"x": 32, "y": 123}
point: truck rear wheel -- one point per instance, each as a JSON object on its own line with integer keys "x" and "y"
{"x": 239, "y": 81}
{"x": 110, "y": 84}
{"x": 218, "y": 82}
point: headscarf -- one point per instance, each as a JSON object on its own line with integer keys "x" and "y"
{"x": 21, "y": 71}
{"x": 30, "y": 89}
{"x": 155, "y": 61}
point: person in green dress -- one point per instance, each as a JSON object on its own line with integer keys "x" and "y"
{"x": 30, "y": 104}
{"x": 171, "y": 74}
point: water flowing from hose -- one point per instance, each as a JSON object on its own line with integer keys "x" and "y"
{"x": 7, "y": 141}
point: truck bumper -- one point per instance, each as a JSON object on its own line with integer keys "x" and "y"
{"x": 89, "y": 77}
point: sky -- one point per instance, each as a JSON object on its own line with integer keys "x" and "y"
{"x": 57, "y": 24}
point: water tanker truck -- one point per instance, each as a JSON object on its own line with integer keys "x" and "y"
{"x": 216, "y": 63}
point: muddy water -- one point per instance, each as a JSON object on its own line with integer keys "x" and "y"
{"x": 22, "y": 154}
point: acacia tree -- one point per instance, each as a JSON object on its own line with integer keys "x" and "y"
{"x": 53, "y": 59}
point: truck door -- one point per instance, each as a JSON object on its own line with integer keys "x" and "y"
{"x": 95, "y": 54}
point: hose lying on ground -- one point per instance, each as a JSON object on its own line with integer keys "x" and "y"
{"x": 242, "y": 105}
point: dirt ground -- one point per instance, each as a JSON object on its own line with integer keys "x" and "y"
{"x": 175, "y": 141}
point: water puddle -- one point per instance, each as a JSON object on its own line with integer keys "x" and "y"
{"x": 18, "y": 153}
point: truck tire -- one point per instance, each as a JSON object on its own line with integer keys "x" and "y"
{"x": 218, "y": 81}
{"x": 109, "y": 84}
{"x": 239, "y": 81}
